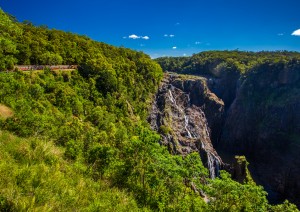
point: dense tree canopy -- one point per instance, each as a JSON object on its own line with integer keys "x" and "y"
{"x": 214, "y": 62}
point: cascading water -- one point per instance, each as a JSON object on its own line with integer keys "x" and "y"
{"x": 188, "y": 124}
{"x": 181, "y": 111}
{"x": 172, "y": 97}
{"x": 213, "y": 162}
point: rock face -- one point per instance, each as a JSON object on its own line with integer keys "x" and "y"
{"x": 260, "y": 119}
{"x": 184, "y": 112}
{"x": 263, "y": 123}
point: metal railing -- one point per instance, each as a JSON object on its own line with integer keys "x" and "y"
{"x": 42, "y": 67}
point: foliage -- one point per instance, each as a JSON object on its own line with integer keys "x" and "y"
{"x": 165, "y": 129}
{"x": 34, "y": 176}
{"x": 216, "y": 63}
{"x": 80, "y": 141}
{"x": 8, "y": 48}
{"x": 233, "y": 196}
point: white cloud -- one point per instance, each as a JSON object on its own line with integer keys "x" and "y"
{"x": 296, "y": 32}
{"x": 174, "y": 47}
{"x": 198, "y": 42}
{"x": 166, "y": 35}
{"x": 171, "y": 36}
{"x": 184, "y": 54}
{"x": 280, "y": 34}
{"x": 177, "y": 24}
{"x": 124, "y": 37}
{"x": 145, "y": 37}
{"x": 133, "y": 36}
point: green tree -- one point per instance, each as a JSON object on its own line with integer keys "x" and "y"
{"x": 8, "y": 47}
{"x": 50, "y": 58}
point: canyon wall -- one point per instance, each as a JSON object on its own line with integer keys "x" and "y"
{"x": 184, "y": 112}
{"x": 256, "y": 114}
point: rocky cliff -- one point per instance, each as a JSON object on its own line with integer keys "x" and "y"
{"x": 256, "y": 114}
{"x": 263, "y": 122}
{"x": 184, "y": 112}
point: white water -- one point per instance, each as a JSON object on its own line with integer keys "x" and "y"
{"x": 172, "y": 97}
{"x": 186, "y": 123}
{"x": 211, "y": 167}
{"x": 186, "y": 119}
{"x": 213, "y": 162}
{"x": 189, "y": 100}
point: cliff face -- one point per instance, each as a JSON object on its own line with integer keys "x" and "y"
{"x": 256, "y": 115}
{"x": 183, "y": 112}
{"x": 263, "y": 123}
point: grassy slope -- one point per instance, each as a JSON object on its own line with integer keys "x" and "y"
{"x": 35, "y": 176}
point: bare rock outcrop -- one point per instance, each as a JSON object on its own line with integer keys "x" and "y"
{"x": 183, "y": 113}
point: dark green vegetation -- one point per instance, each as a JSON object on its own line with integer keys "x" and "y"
{"x": 217, "y": 62}
{"x": 80, "y": 141}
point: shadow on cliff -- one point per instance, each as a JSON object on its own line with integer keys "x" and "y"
{"x": 263, "y": 123}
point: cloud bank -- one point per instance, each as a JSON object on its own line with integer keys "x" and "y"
{"x": 296, "y": 32}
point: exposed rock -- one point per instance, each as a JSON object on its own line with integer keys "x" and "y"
{"x": 263, "y": 123}
{"x": 183, "y": 111}
{"x": 260, "y": 119}
{"x": 225, "y": 85}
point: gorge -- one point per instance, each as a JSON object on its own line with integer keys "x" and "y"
{"x": 254, "y": 114}
{"x": 123, "y": 132}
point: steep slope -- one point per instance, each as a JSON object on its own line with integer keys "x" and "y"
{"x": 183, "y": 112}
{"x": 36, "y": 176}
{"x": 261, "y": 121}
{"x": 264, "y": 124}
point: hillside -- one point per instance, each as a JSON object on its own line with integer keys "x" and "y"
{"x": 80, "y": 140}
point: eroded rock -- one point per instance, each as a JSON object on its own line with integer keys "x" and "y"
{"x": 183, "y": 112}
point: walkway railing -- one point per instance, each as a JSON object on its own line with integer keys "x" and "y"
{"x": 42, "y": 67}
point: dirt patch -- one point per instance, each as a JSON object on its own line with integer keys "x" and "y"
{"x": 5, "y": 112}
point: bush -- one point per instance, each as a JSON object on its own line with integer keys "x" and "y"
{"x": 165, "y": 129}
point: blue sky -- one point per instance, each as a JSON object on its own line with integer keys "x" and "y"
{"x": 171, "y": 27}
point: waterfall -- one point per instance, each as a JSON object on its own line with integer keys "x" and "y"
{"x": 213, "y": 162}
{"x": 189, "y": 125}
{"x": 188, "y": 100}
{"x": 186, "y": 119}
{"x": 186, "y": 123}
{"x": 172, "y": 97}
{"x": 211, "y": 167}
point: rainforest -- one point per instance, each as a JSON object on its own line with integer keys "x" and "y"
{"x": 124, "y": 132}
